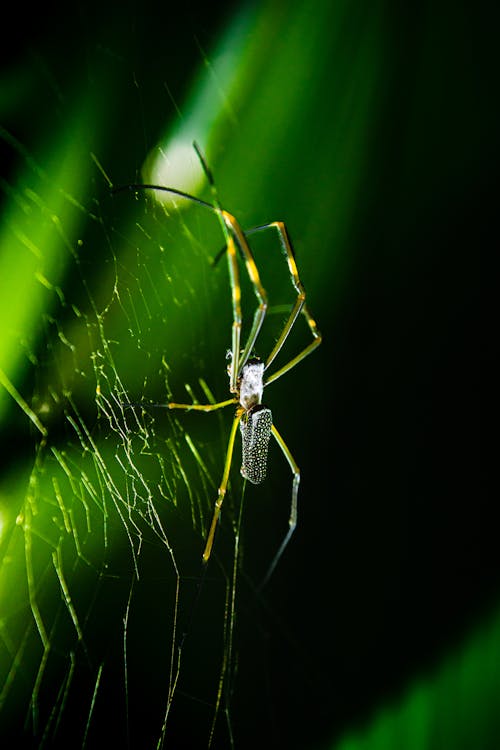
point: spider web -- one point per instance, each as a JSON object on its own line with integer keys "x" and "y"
{"x": 119, "y": 497}
{"x": 105, "y": 602}
{"x": 108, "y": 616}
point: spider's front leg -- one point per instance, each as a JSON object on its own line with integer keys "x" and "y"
{"x": 298, "y": 308}
{"x": 203, "y": 407}
{"x": 236, "y": 238}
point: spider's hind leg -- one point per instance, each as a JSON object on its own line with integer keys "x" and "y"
{"x": 292, "y": 520}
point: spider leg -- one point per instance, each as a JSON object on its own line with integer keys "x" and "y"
{"x": 235, "y": 236}
{"x": 203, "y": 407}
{"x": 234, "y": 280}
{"x": 227, "y": 463}
{"x": 222, "y": 487}
{"x": 298, "y": 307}
{"x": 233, "y": 233}
{"x": 305, "y": 352}
{"x": 230, "y": 227}
{"x": 292, "y": 521}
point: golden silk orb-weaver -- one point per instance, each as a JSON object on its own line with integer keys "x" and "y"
{"x": 248, "y": 374}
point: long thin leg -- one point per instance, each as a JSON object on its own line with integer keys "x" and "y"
{"x": 229, "y": 226}
{"x": 223, "y": 487}
{"x": 233, "y": 229}
{"x": 304, "y": 353}
{"x": 299, "y": 305}
{"x": 203, "y": 407}
{"x": 234, "y": 279}
{"x": 234, "y": 234}
{"x": 227, "y": 464}
{"x": 292, "y": 521}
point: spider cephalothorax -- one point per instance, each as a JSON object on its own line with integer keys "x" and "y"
{"x": 251, "y": 383}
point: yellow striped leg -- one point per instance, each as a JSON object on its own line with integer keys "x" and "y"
{"x": 234, "y": 230}
{"x": 299, "y": 305}
{"x": 223, "y": 487}
{"x": 304, "y": 353}
{"x": 234, "y": 279}
{"x": 203, "y": 407}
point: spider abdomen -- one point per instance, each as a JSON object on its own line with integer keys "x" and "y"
{"x": 255, "y": 427}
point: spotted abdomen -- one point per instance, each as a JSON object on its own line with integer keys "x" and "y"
{"x": 255, "y": 428}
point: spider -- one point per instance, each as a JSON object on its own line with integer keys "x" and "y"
{"x": 247, "y": 373}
